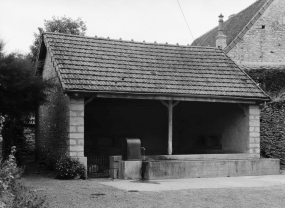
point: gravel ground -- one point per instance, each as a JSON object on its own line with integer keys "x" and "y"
{"x": 90, "y": 193}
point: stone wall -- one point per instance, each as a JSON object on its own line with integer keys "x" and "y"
{"x": 264, "y": 42}
{"x": 52, "y": 118}
{"x": 254, "y": 129}
{"x": 29, "y": 134}
{"x": 76, "y": 129}
{"x": 273, "y": 131}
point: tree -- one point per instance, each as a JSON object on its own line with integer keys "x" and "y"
{"x": 20, "y": 93}
{"x": 60, "y": 25}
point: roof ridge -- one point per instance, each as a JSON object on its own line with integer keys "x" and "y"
{"x": 129, "y": 41}
{"x": 251, "y": 5}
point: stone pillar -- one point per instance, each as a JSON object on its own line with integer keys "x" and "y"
{"x": 76, "y": 129}
{"x": 254, "y": 130}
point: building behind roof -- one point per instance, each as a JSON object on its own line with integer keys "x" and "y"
{"x": 255, "y": 36}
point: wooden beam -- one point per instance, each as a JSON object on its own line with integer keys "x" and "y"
{"x": 88, "y": 101}
{"x": 178, "y": 98}
{"x": 164, "y": 103}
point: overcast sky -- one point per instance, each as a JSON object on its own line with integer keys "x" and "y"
{"x": 149, "y": 20}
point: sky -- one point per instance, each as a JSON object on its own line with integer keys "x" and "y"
{"x": 141, "y": 20}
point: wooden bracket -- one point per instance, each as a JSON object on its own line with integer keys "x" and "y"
{"x": 169, "y": 103}
{"x": 243, "y": 109}
{"x": 88, "y": 101}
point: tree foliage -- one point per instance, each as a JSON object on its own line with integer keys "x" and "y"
{"x": 20, "y": 90}
{"x": 65, "y": 25}
{"x": 20, "y": 93}
{"x": 57, "y": 24}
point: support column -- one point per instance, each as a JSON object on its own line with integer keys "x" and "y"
{"x": 76, "y": 129}
{"x": 170, "y": 106}
{"x": 170, "y": 116}
{"x": 254, "y": 130}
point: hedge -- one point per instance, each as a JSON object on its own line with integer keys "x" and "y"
{"x": 272, "y": 131}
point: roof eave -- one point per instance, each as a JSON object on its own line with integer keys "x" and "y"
{"x": 166, "y": 96}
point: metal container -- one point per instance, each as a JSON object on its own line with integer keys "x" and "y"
{"x": 131, "y": 149}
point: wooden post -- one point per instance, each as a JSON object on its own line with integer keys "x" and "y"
{"x": 170, "y": 106}
{"x": 170, "y": 113}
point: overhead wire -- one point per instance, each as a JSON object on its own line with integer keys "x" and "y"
{"x": 185, "y": 19}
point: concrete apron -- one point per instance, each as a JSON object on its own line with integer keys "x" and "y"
{"x": 197, "y": 183}
{"x": 175, "y": 169}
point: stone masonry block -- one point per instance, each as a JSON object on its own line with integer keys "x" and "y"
{"x": 80, "y": 129}
{"x": 72, "y": 142}
{"x": 80, "y": 154}
{"x": 257, "y": 117}
{"x": 76, "y": 107}
{"x": 80, "y": 142}
{"x": 76, "y": 148}
{"x": 255, "y": 145}
{"x": 257, "y": 150}
{"x": 73, "y": 154}
{"x": 251, "y": 129}
{"x": 72, "y": 129}
{"x": 77, "y": 113}
{"x": 255, "y": 112}
{"x": 252, "y": 107}
{"x": 254, "y": 123}
{"x": 251, "y": 151}
{"x": 76, "y": 121}
{"x": 73, "y": 113}
{"x": 80, "y": 113}
{"x": 254, "y": 134}
{"x": 251, "y": 117}
{"x": 252, "y": 140}
{"x": 257, "y": 129}
{"x": 76, "y": 100}
{"x": 76, "y": 135}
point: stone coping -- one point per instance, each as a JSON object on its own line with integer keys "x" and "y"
{"x": 204, "y": 157}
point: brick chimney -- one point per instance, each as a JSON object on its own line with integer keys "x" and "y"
{"x": 221, "y": 39}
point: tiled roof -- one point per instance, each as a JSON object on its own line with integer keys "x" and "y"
{"x": 236, "y": 26}
{"x": 106, "y": 65}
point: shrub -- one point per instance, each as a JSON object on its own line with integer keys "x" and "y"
{"x": 12, "y": 193}
{"x": 70, "y": 168}
{"x": 8, "y": 173}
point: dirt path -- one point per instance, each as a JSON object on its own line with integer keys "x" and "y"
{"x": 89, "y": 193}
